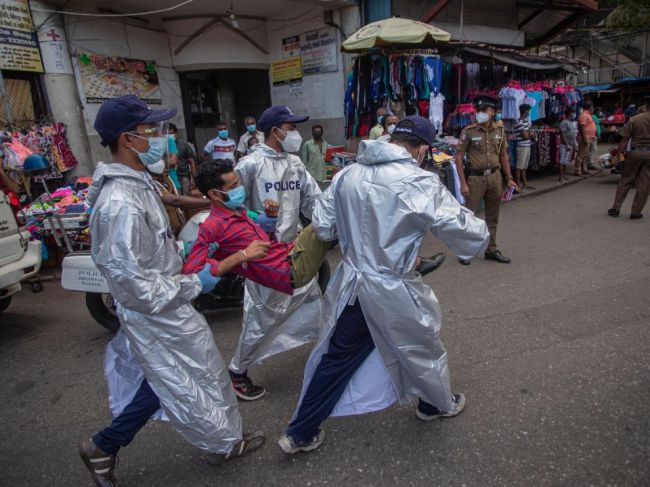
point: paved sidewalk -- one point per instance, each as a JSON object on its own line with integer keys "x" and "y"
{"x": 547, "y": 180}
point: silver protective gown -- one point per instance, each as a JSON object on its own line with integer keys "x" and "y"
{"x": 380, "y": 209}
{"x": 162, "y": 337}
{"x": 275, "y": 322}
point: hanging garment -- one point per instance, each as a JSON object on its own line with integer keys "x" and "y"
{"x": 458, "y": 83}
{"x": 511, "y": 100}
{"x": 473, "y": 72}
{"x": 446, "y": 81}
{"x": 436, "y": 111}
{"x": 433, "y": 66}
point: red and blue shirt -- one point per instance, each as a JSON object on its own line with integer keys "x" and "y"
{"x": 234, "y": 233}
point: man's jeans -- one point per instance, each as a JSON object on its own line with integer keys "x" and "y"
{"x": 349, "y": 346}
{"x": 134, "y": 416}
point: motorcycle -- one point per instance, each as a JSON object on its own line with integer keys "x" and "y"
{"x": 80, "y": 274}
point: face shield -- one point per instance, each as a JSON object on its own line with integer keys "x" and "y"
{"x": 157, "y": 138}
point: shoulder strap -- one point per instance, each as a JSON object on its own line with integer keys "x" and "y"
{"x": 503, "y": 137}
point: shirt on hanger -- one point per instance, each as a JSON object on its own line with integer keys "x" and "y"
{"x": 436, "y": 111}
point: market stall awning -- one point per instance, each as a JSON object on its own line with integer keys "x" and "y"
{"x": 472, "y": 51}
{"x": 605, "y": 87}
{"x": 395, "y": 32}
{"x": 631, "y": 81}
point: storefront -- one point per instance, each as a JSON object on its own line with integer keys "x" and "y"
{"x": 228, "y": 95}
{"x": 212, "y": 65}
{"x": 21, "y": 67}
{"x": 442, "y": 84}
{"x": 28, "y": 123}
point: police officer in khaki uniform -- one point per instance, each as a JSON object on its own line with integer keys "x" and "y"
{"x": 636, "y": 168}
{"x": 487, "y": 151}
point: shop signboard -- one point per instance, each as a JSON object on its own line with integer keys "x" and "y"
{"x": 18, "y": 41}
{"x": 319, "y": 51}
{"x": 105, "y": 77}
{"x": 290, "y": 47}
{"x": 285, "y": 71}
{"x": 55, "y": 52}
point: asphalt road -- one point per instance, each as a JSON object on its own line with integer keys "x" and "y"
{"x": 552, "y": 351}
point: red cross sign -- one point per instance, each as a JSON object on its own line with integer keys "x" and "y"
{"x": 52, "y": 33}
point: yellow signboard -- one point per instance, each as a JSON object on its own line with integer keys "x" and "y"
{"x": 18, "y": 41}
{"x": 286, "y": 70}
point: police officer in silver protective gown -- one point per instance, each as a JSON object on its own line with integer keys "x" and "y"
{"x": 163, "y": 363}
{"x": 382, "y": 342}
{"x": 274, "y": 322}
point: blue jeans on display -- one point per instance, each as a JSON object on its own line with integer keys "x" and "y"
{"x": 350, "y": 345}
{"x": 131, "y": 420}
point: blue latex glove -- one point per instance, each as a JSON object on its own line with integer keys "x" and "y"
{"x": 208, "y": 281}
{"x": 267, "y": 223}
{"x": 212, "y": 248}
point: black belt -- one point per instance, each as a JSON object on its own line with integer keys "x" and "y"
{"x": 482, "y": 172}
{"x": 643, "y": 148}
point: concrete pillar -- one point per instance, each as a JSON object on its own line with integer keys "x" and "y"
{"x": 60, "y": 84}
{"x": 375, "y": 10}
{"x": 350, "y": 19}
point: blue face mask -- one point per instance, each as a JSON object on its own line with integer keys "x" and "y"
{"x": 251, "y": 128}
{"x": 380, "y": 119}
{"x": 236, "y": 197}
{"x": 497, "y": 117}
{"x": 223, "y": 134}
{"x": 157, "y": 146}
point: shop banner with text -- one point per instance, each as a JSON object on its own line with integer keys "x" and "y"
{"x": 319, "y": 51}
{"x": 18, "y": 41}
{"x": 105, "y": 77}
{"x": 286, "y": 71}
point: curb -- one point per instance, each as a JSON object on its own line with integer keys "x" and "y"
{"x": 555, "y": 187}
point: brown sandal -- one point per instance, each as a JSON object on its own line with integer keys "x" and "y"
{"x": 250, "y": 443}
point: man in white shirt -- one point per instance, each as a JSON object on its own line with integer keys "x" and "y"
{"x": 251, "y": 131}
{"x": 378, "y": 130}
{"x": 221, "y": 147}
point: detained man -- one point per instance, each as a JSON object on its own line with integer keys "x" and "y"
{"x": 275, "y": 322}
{"x": 382, "y": 343}
{"x": 151, "y": 365}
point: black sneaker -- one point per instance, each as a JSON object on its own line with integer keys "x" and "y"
{"x": 638, "y": 216}
{"x": 458, "y": 401}
{"x": 430, "y": 264}
{"x": 613, "y": 212}
{"x": 100, "y": 464}
{"x": 290, "y": 445}
{"x": 497, "y": 256}
{"x": 245, "y": 389}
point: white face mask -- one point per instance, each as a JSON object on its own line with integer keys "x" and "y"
{"x": 390, "y": 128}
{"x": 157, "y": 168}
{"x": 292, "y": 141}
{"x": 482, "y": 117}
